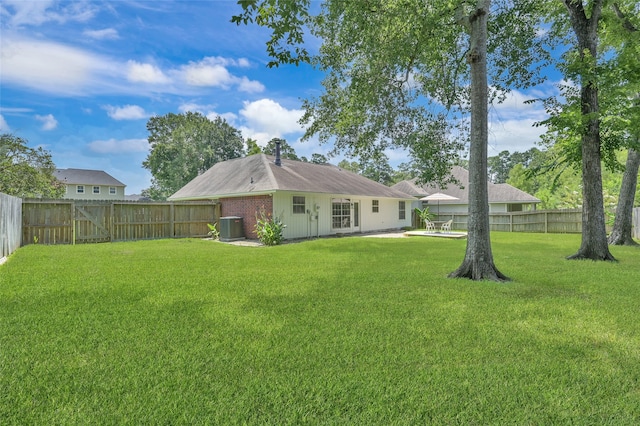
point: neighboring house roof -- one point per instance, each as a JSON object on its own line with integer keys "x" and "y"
{"x": 86, "y": 177}
{"x": 258, "y": 174}
{"x": 498, "y": 193}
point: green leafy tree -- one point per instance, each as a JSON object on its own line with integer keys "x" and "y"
{"x": 627, "y": 44}
{"x": 399, "y": 71}
{"x": 286, "y": 150}
{"x": 352, "y": 166}
{"x": 184, "y": 146}
{"x": 377, "y": 169}
{"x": 253, "y": 147}
{"x": 589, "y": 125}
{"x": 27, "y": 172}
{"x": 319, "y": 158}
{"x": 405, "y": 171}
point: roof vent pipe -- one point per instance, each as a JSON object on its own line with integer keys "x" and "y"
{"x": 278, "y": 162}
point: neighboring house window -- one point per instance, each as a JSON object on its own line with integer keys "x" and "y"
{"x": 375, "y": 206}
{"x": 80, "y": 189}
{"x": 341, "y": 214}
{"x": 402, "y": 212}
{"x": 112, "y": 190}
{"x": 96, "y": 189}
{"x": 298, "y": 204}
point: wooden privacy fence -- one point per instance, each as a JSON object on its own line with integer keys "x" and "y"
{"x": 546, "y": 221}
{"x": 10, "y": 226}
{"x": 80, "y": 221}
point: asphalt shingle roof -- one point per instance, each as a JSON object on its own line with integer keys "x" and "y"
{"x": 259, "y": 174}
{"x": 86, "y": 177}
{"x": 498, "y": 193}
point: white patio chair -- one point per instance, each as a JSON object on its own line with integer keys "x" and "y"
{"x": 446, "y": 227}
{"x": 430, "y": 227}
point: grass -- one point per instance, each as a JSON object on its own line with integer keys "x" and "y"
{"x": 331, "y": 331}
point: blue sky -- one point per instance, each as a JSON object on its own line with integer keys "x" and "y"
{"x": 81, "y": 79}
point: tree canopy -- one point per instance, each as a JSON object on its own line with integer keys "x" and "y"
{"x": 27, "y": 172}
{"x": 184, "y": 146}
{"x": 286, "y": 150}
{"x": 399, "y": 73}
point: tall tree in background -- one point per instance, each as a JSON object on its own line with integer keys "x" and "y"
{"x": 319, "y": 158}
{"x": 253, "y": 147}
{"x": 377, "y": 169}
{"x": 588, "y": 127}
{"x": 27, "y": 172}
{"x": 585, "y": 26}
{"x": 399, "y": 72}
{"x": 286, "y": 150}
{"x": 627, "y": 43}
{"x": 184, "y": 146}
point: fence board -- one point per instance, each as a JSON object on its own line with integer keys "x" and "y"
{"x": 551, "y": 221}
{"x": 85, "y": 221}
{"x": 10, "y": 225}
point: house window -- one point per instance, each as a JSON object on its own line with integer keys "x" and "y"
{"x": 112, "y": 190}
{"x": 96, "y": 189}
{"x": 80, "y": 189}
{"x": 375, "y": 206}
{"x": 298, "y": 204}
{"x": 341, "y": 214}
{"x": 402, "y": 212}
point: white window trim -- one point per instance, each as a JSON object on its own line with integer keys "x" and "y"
{"x": 303, "y": 204}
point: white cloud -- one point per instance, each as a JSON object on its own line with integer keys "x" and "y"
{"x": 48, "y": 121}
{"x": 513, "y": 135}
{"x": 54, "y": 68}
{"x": 213, "y": 72}
{"x": 268, "y": 116}
{"x": 145, "y": 73}
{"x": 229, "y": 116}
{"x": 262, "y": 138}
{"x": 193, "y": 107}
{"x": 243, "y": 62}
{"x": 4, "y": 127}
{"x": 511, "y": 123}
{"x": 106, "y": 34}
{"x": 34, "y": 13}
{"x": 250, "y": 86}
{"x": 209, "y": 112}
{"x": 205, "y": 74}
{"x": 123, "y": 146}
{"x": 127, "y": 112}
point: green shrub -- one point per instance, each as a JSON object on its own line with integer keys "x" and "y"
{"x": 269, "y": 229}
{"x": 213, "y": 231}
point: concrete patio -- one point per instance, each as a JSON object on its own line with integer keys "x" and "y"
{"x": 436, "y": 234}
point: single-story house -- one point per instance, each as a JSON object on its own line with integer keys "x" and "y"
{"x": 311, "y": 199}
{"x": 84, "y": 184}
{"x": 502, "y": 197}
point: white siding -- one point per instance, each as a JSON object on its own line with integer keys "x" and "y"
{"x": 88, "y": 194}
{"x": 305, "y": 225}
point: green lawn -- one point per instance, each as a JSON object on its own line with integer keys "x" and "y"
{"x": 332, "y": 331}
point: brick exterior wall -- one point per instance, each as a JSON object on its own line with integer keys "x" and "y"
{"x": 246, "y": 208}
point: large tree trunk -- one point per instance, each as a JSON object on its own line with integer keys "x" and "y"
{"x": 594, "y": 235}
{"x": 622, "y": 226}
{"x": 621, "y": 233}
{"x": 478, "y": 261}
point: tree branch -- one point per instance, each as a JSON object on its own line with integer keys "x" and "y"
{"x": 626, "y": 23}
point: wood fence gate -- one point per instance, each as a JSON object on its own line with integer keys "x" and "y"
{"x": 80, "y": 221}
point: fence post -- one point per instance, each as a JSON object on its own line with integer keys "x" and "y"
{"x": 172, "y": 218}
{"x": 73, "y": 222}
